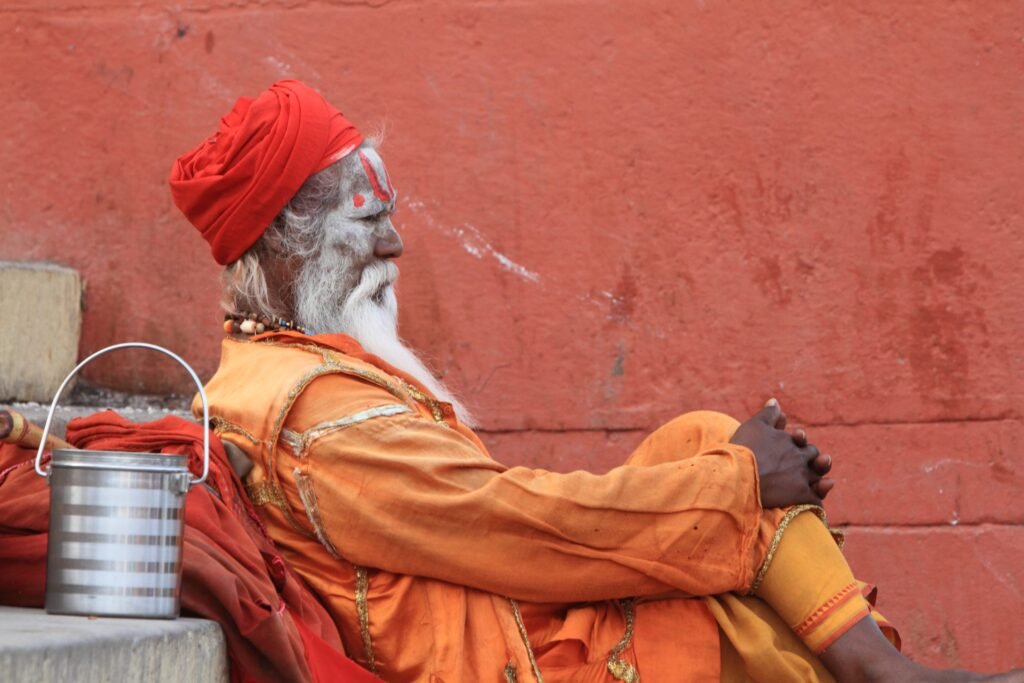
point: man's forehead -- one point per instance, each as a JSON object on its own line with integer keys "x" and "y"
{"x": 369, "y": 179}
{"x": 369, "y": 156}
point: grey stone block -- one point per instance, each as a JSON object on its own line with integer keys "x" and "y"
{"x": 42, "y": 648}
{"x": 42, "y": 311}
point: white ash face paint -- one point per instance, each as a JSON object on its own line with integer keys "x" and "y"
{"x": 355, "y": 228}
{"x": 349, "y": 286}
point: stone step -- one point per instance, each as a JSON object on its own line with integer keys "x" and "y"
{"x": 38, "y": 647}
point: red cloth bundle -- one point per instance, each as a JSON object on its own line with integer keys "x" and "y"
{"x": 275, "y": 628}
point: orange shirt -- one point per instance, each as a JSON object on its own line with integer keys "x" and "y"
{"x": 435, "y": 561}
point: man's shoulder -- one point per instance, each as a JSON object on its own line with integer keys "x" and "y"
{"x": 274, "y": 365}
{"x": 266, "y": 377}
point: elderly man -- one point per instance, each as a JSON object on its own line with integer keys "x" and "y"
{"x": 703, "y": 558}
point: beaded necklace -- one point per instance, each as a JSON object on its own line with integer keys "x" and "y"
{"x": 251, "y": 323}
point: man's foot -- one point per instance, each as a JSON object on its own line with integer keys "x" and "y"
{"x": 863, "y": 654}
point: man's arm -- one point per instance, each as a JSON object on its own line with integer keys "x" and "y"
{"x": 407, "y": 495}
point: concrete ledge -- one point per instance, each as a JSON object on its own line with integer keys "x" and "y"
{"x": 39, "y": 647}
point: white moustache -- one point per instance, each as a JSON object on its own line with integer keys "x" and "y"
{"x": 374, "y": 279}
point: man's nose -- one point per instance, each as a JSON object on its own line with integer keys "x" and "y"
{"x": 388, "y": 245}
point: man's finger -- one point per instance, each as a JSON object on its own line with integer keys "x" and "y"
{"x": 822, "y": 464}
{"x": 812, "y": 497}
{"x": 800, "y": 437}
{"x": 770, "y": 413}
{"x": 823, "y": 487}
{"x": 810, "y": 452}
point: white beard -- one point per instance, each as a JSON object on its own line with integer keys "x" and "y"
{"x": 369, "y": 314}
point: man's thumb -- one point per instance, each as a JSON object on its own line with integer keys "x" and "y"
{"x": 770, "y": 413}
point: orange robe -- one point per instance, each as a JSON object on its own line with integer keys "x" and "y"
{"x": 440, "y": 564}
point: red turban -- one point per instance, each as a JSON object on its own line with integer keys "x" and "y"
{"x": 236, "y": 181}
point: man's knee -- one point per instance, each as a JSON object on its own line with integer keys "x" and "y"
{"x": 711, "y": 427}
{"x": 685, "y": 437}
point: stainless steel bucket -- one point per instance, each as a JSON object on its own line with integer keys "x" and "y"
{"x": 116, "y": 522}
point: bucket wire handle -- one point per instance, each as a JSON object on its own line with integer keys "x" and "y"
{"x": 131, "y": 345}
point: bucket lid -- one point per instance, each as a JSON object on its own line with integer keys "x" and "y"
{"x": 118, "y": 460}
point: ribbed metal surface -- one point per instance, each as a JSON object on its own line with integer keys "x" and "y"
{"x": 116, "y": 522}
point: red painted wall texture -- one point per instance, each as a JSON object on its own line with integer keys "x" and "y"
{"x": 614, "y": 212}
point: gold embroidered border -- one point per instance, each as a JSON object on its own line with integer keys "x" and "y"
{"x": 435, "y": 406}
{"x": 363, "y": 612}
{"x": 371, "y": 377}
{"x": 332, "y": 358}
{"x": 309, "y": 501}
{"x": 293, "y": 394}
{"x": 330, "y": 367}
{"x": 777, "y": 538}
{"x": 220, "y": 426}
{"x": 300, "y": 443}
{"x": 526, "y": 640}
{"x": 332, "y": 364}
{"x": 263, "y": 492}
{"x": 268, "y": 493}
{"x": 618, "y": 666}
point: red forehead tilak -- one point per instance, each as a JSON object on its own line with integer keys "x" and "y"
{"x": 378, "y": 190}
{"x": 358, "y": 200}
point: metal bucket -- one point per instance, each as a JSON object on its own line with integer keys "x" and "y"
{"x": 116, "y": 522}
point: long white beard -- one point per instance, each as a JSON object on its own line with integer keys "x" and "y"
{"x": 370, "y": 315}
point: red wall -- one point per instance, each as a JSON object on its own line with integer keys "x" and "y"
{"x": 614, "y": 212}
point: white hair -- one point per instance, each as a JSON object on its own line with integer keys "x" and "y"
{"x": 297, "y": 233}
